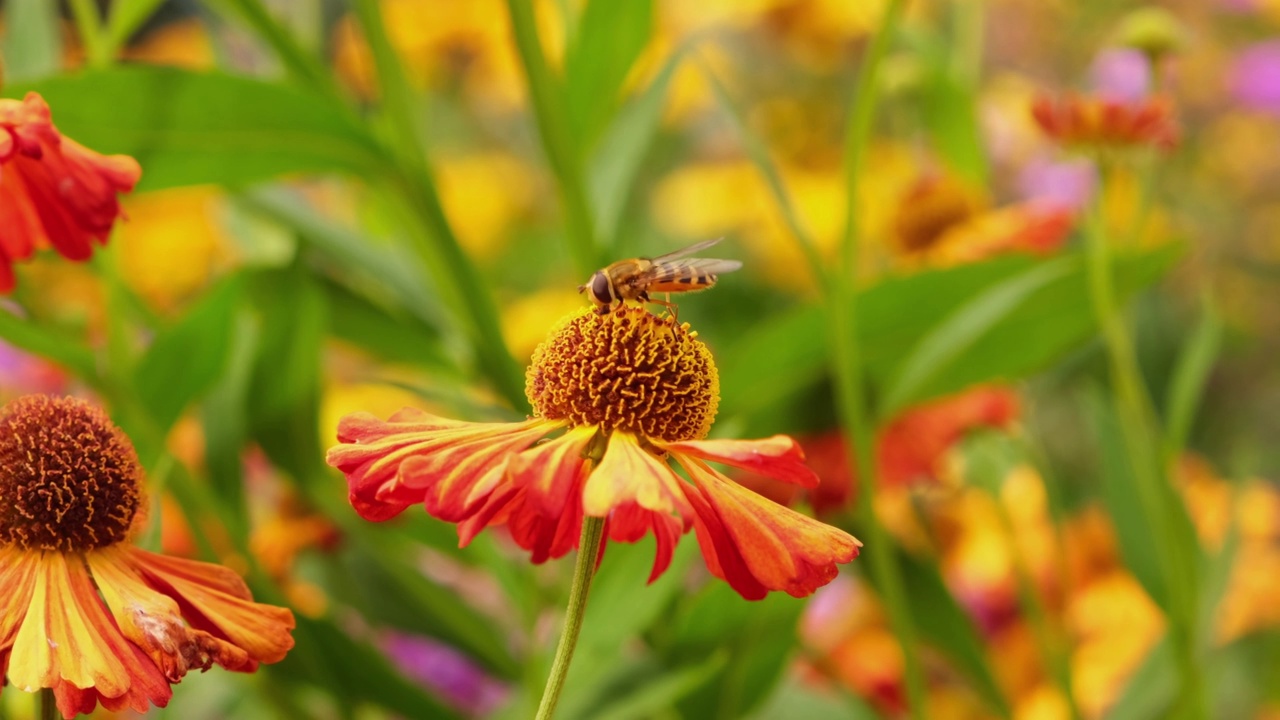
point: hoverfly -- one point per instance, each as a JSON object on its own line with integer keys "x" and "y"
{"x": 674, "y": 272}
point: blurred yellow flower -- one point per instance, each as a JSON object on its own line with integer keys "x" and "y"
{"x": 182, "y": 43}
{"x": 1115, "y": 625}
{"x": 525, "y": 319}
{"x": 484, "y": 195}
{"x": 173, "y": 243}
{"x": 444, "y": 45}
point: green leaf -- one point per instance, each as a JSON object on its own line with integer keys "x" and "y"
{"x": 354, "y": 673}
{"x": 953, "y": 335}
{"x": 613, "y": 167}
{"x": 126, "y": 17}
{"x": 186, "y": 359}
{"x": 810, "y": 700}
{"x": 49, "y": 343}
{"x": 942, "y": 622}
{"x": 394, "y": 594}
{"x": 1187, "y": 384}
{"x": 644, "y": 689}
{"x": 32, "y": 41}
{"x": 188, "y": 128}
{"x": 609, "y": 38}
{"x": 225, "y": 412}
{"x": 769, "y": 363}
{"x": 284, "y": 395}
{"x": 394, "y": 337}
{"x": 758, "y": 637}
{"x": 949, "y": 110}
{"x": 1151, "y": 689}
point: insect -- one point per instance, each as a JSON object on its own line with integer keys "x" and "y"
{"x": 674, "y": 272}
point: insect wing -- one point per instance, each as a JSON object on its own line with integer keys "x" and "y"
{"x": 690, "y": 274}
{"x": 684, "y": 252}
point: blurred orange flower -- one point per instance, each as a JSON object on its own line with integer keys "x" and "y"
{"x": 54, "y": 192}
{"x": 631, "y": 390}
{"x": 84, "y": 613}
{"x": 1095, "y": 123}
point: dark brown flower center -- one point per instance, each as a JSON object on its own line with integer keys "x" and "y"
{"x": 627, "y": 370}
{"x": 69, "y": 478}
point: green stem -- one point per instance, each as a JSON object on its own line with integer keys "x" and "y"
{"x": 550, "y": 107}
{"x": 48, "y": 704}
{"x": 89, "y": 25}
{"x": 1140, "y": 435}
{"x": 849, "y": 371}
{"x": 455, "y": 275}
{"x": 300, "y": 63}
{"x": 583, "y": 571}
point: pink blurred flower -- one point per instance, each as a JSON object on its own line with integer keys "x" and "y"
{"x": 1121, "y": 75}
{"x": 447, "y": 672}
{"x": 1254, "y": 77}
{"x": 1063, "y": 185}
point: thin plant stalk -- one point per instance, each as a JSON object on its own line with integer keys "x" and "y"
{"x": 454, "y": 273}
{"x": 89, "y": 25}
{"x": 849, "y": 371}
{"x": 47, "y": 704}
{"x": 583, "y": 572}
{"x": 1140, "y": 436}
{"x": 550, "y": 107}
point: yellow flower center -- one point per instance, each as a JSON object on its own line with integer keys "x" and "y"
{"x": 628, "y": 370}
{"x": 69, "y": 479}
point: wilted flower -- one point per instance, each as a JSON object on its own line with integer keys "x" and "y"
{"x": 81, "y": 611}
{"x": 1094, "y": 123}
{"x": 57, "y": 193}
{"x": 630, "y": 391}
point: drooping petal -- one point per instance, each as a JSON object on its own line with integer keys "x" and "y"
{"x": 548, "y": 471}
{"x": 17, "y": 583}
{"x": 779, "y": 457}
{"x": 757, "y": 545}
{"x": 70, "y": 643}
{"x": 629, "y": 473}
{"x": 223, "y": 624}
{"x": 629, "y": 523}
{"x": 419, "y": 458}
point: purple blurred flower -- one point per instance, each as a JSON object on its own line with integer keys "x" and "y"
{"x": 449, "y": 673}
{"x": 1121, "y": 74}
{"x": 1255, "y": 77}
{"x": 1066, "y": 185}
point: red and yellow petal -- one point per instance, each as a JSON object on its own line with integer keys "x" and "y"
{"x": 757, "y": 545}
{"x": 629, "y": 473}
{"x": 548, "y": 471}
{"x": 418, "y": 458}
{"x": 223, "y": 624}
{"x": 67, "y": 641}
{"x": 629, "y": 523}
{"x": 778, "y": 457}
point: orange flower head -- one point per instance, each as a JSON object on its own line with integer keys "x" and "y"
{"x": 81, "y": 611}
{"x": 619, "y": 396}
{"x": 57, "y": 193}
{"x": 1093, "y": 124}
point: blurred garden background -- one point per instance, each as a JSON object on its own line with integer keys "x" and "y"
{"x": 1065, "y": 326}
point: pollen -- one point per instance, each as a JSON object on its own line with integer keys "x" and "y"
{"x": 626, "y": 370}
{"x": 69, "y": 478}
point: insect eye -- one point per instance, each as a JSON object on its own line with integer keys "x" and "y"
{"x": 600, "y": 289}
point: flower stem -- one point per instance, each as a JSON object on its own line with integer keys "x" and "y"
{"x": 583, "y": 571}
{"x": 849, "y": 372}
{"x": 48, "y": 704}
{"x": 89, "y": 25}
{"x": 1140, "y": 436}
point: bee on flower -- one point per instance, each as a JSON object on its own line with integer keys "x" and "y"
{"x": 616, "y": 398}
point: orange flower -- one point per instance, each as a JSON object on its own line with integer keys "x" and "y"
{"x": 55, "y": 191}
{"x": 1094, "y": 123}
{"x": 912, "y": 446}
{"x": 81, "y": 611}
{"x": 629, "y": 391}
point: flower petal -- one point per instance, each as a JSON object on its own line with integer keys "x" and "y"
{"x": 224, "y": 625}
{"x": 548, "y": 471}
{"x": 419, "y": 458}
{"x": 757, "y": 545}
{"x": 629, "y": 523}
{"x": 778, "y": 457}
{"x": 69, "y": 643}
{"x": 629, "y": 473}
